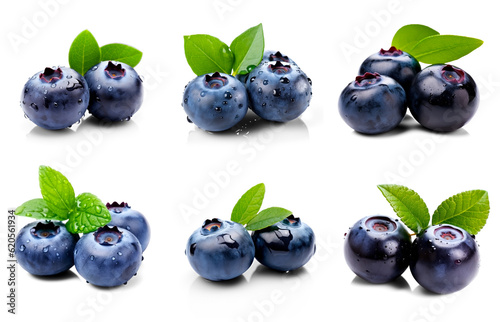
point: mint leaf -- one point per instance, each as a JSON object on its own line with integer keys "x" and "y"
{"x": 248, "y": 49}
{"x": 468, "y": 210}
{"x": 90, "y": 214}
{"x": 408, "y": 206}
{"x": 268, "y": 217}
{"x": 37, "y": 209}
{"x": 122, "y": 53}
{"x": 249, "y": 204}
{"x": 57, "y": 192}
{"x": 206, "y": 54}
{"x": 440, "y": 49}
{"x": 84, "y": 52}
{"x": 408, "y": 36}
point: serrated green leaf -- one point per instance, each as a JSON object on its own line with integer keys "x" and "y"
{"x": 84, "y": 52}
{"x": 249, "y": 204}
{"x": 207, "y": 54}
{"x": 122, "y": 53}
{"x": 439, "y": 49}
{"x": 248, "y": 49}
{"x": 268, "y": 217}
{"x": 468, "y": 210}
{"x": 90, "y": 214}
{"x": 408, "y": 36}
{"x": 57, "y": 192}
{"x": 37, "y": 209}
{"x": 408, "y": 206}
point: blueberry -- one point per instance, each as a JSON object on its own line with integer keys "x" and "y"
{"x": 372, "y": 104}
{"x": 45, "y": 247}
{"x": 130, "y": 219}
{"x": 55, "y": 98}
{"x": 108, "y": 257}
{"x": 443, "y": 98}
{"x": 444, "y": 259}
{"x": 116, "y": 91}
{"x": 271, "y": 55}
{"x": 215, "y": 102}
{"x": 377, "y": 249}
{"x": 286, "y": 245}
{"x": 397, "y": 64}
{"x": 220, "y": 250}
{"x": 278, "y": 91}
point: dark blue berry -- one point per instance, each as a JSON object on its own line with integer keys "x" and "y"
{"x": 130, "y": 219}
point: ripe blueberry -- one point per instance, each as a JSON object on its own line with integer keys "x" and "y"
{"x": 130, "y": 219}
{"x": 286, "y": 245}
{"x": 271, "y": 55}
{"x": 444, "y": 259}
{"x": 220, "y": 250}
{"x": 55, "y": 98}
{"x": 377, "y": 249}
{"x": 372, "y": 104}
{"x": 45, "y": 247}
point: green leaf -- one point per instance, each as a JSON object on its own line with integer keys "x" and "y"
{"x": 122, "y": 53}
{"x": 84, "y": 52}
{"x": 408, "y": 206}
{"x": 268, "y": 217}
{"x": 249, "y": 204}
{"x": 57, "y": 192}
{"x": 37, "y": 209}
{"x": 468, "y": 210}
{"x": 206, "y": 54}
{"x": 440, "y": 49}
{"x": 248, "y": 49}
{"x": 90, "y": 214}
{"x": 408, "y": 36}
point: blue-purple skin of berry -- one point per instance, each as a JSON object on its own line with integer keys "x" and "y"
{"x": 443, "y": 98}
{"x": 372, "y": 104}
{"x": 220, "y": 250}
{"x": 116, "y": 91}
{"x": 55, "y": 98}
{"x": 109, "y": 256}
{"x": 445, "y": 259}
{"x": 285, "y": 246}
{"x": 123, "y": 216}
{"x": 272, "y": 55}
{"x": 215, "y": 102}
{"x": 278, "y": 92}
{"x": 377, "y": 249}
{"x": 397, "y": 64}
{"x": 45, "y": 248}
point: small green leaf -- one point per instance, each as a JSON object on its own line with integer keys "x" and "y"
{"x": 408, "y": 36}
{"x": 248, "y": 49}
{"x": 249, "y": 204}
{"x": 84, "y": 52}
{"x": 90, "y": 214}
{"x": 408, "y": 206}
{"x": 468, "y": 210}
{"x": 122, "y": 53}
{"x": 57, "y": 192}
{"x": 439, "y": 49}
{"x": 37, "y": 209}
{"x": 268, "y": 217}
{"x": 207, "y": 54}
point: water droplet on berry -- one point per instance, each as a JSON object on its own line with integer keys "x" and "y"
{"x": 202, "y": 93}
{"x": 53, "y": 85}
{"x": 284, "y": 80}
{"x": 277, "y": 92}
{"x": 44, "y": 92}
{"x": 228, "y": 95}
{"x": 46, "y": 249}
{"x": 353, "y": 98}
{"x": 265, "y": 82}
{"x": 259, "y": 90}
{"x": 34, "y": 106}
{"x": 113, "y": 258}
{"x": 252, "y": 79}
{"x": 94, "y": 68}
{"x": 189, "y": 120}
{"x": 92, "y": 257}
{"x": 110, "y": 88}
{"x": 99, "y": 86}
{"x": 22, "y": 248}
{"x": 120, "y": 253}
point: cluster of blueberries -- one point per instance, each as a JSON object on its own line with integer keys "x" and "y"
{"x": 440, "y": 97}
{"x": 443, "y": 259}
{"x": 222, "y": 250}
{"x": 58, "y": 97}
{"x": 109, "y": 256}
{"x": 276, "y": 90}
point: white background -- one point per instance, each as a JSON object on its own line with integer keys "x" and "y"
{"x": 178, "y": 175}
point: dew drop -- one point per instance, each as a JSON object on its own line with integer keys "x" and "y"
{"x": 203, "y": 93}
{"x": 110, "y": 88}
{"x": 265, "y": 82}
{"x": 92, "y": 257}
{"x": 53, "y": 85}
{"x": 99, "y": 86}
{"x": 22, "y": 248}
{"x": 228, "y": 95}
{"x": 34, "y": 106}
{"x": 44, "y": 92}
{"x": 46, "y": 249}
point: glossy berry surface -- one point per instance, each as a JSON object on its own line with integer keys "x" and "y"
{"x": 377, "y": 249}
{"x": 397, "y": 64}
{"x": 108, "y": 257}
{"x": 132, "y": 220}
{"x": 220, "y": 250}
{"x": 55, "y": 98}
{"x": 445, "y": 259}
{"x": 116, "y": 91}
{"x": 278, "y": 91}
{"x": 215, "y": 102}
{"x": 372, "y": 104}
{"x": 45, "y": 248}
{"x": 443, "y": 98}
{"x": 286, "y": 245}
